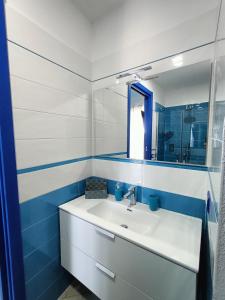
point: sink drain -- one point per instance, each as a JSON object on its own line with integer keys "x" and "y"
{"x": 124, "y": 226}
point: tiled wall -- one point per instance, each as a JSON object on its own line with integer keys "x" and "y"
{"x": 114, "y": 54}
{"x": 180, "y": 139}
{"x": 109, "y": 121}
{"x": 180, "y": 189}
{"x": 52, "y": 124}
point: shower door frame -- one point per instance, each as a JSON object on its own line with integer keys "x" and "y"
{"x": 12, "y": 283}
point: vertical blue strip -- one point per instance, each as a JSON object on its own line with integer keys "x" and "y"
{"x": 12, "y": 272}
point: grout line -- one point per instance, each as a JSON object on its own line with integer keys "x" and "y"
{"x": 71, "y": 93}
{"x": 46, "y": 266}
{"x": 40, "y": 221}
{"x": 153, "y": 61}
{"x": 122, "y": 71}
{"x": 52, "y": 113}
{"x": 49, "y": 60}
{"x": 30, "y": 253}
{"x": 49, "y": 288}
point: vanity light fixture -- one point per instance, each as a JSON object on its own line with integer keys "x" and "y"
{"x": 134, "y": 71}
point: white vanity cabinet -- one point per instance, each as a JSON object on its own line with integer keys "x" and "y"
{"x": 116, "y": 269}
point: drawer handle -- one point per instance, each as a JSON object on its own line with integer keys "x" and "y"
{"x": 105, "y": 270}
{"x": 106, "y": 233}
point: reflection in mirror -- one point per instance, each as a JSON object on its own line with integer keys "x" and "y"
{"x": 139, "y": 122}
{"x": 160, "y": 117}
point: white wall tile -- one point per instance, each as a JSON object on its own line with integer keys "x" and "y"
{"x": 38, "y": 183}
{"x": 125, "y": 172}
{"x": 22, "y": 30}
{"x": 27, "y": 65}
{"x": 109, "y": 121}
{"x": 174, "y": 180}
{"x": 37, "y": 125}
{"x": 198, "y": 31}
{"x": 34, "y": 96}
{"x": 186, "y": 182}
{"x": 31, "y": 153}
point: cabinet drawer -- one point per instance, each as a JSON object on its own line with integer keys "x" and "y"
{"x": 98, "y": 278}
{"x": 155, "y": 276}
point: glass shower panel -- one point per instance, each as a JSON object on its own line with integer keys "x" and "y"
{"x": 172, "y": 134}
{"x": 182, "y": 133}
{"x": 194, "y": 135}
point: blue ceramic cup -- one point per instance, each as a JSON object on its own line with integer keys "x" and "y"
{"x": 153, "y": 202}
{"x": 118, "y": 194}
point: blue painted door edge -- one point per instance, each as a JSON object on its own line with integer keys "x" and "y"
{"x": 148, "y": 104}
{"x": 128, "y": 119}
{"x": 12, "y": 271}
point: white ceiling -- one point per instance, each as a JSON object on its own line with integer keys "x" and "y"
{"x": 94, "y": 9}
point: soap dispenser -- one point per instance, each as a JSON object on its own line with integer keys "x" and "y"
{"x": 118, "y": 191}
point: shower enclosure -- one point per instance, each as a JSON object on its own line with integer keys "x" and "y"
{"x": 182, "y": 133}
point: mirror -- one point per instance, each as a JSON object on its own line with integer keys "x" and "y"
{"x": 161, "y": 117}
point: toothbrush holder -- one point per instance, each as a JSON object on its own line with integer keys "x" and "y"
{"x": 153, "y": 202}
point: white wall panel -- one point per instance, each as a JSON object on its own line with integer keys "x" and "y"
{"x": 25, "y": 32}
{"x": 32, "y": 95}
{"x": 38, "y": 125}
{"x": 36, "y": 152}
{"x": 109, "y": 121}
{"x": 173, "y": 180}
{"x": 186, "y": 35}
{"x": 51, "y": 105}
{"x": 41, "y": 182}
{"x": 125, "y": 172}
{"x": 32, "y": 67}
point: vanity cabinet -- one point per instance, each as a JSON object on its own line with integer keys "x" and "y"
{"x": 116, "y": 269}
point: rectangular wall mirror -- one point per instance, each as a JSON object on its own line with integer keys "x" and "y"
{"x": 158, "y": 117}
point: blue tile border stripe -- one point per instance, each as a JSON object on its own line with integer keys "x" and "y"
{"x": 52, "y": 165}
{"x": 174, "y": 202}
{"x": 111, "y": 154}
{"x": 111, "y": 158}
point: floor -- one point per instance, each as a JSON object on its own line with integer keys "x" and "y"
{"x": 77, "y": 291}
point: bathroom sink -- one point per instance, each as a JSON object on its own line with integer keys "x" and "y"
{"x": 129, "y": 218}
{"x": 171, "y": 235}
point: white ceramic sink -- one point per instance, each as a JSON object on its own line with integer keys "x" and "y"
{"x": 128, "y": 218}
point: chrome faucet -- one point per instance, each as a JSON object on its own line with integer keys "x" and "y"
{"x": 131, "y": 195}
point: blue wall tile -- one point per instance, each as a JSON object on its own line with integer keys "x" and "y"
{"x": 40, "y": 233}
{"x": 45, "y": 278}
{"x": 45, "y": 205}
{"x": 178, "y": 203}
{"x": 174, "y": 202}
{"x": 38, "y": 259}
{"x": 57, "y": 288}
